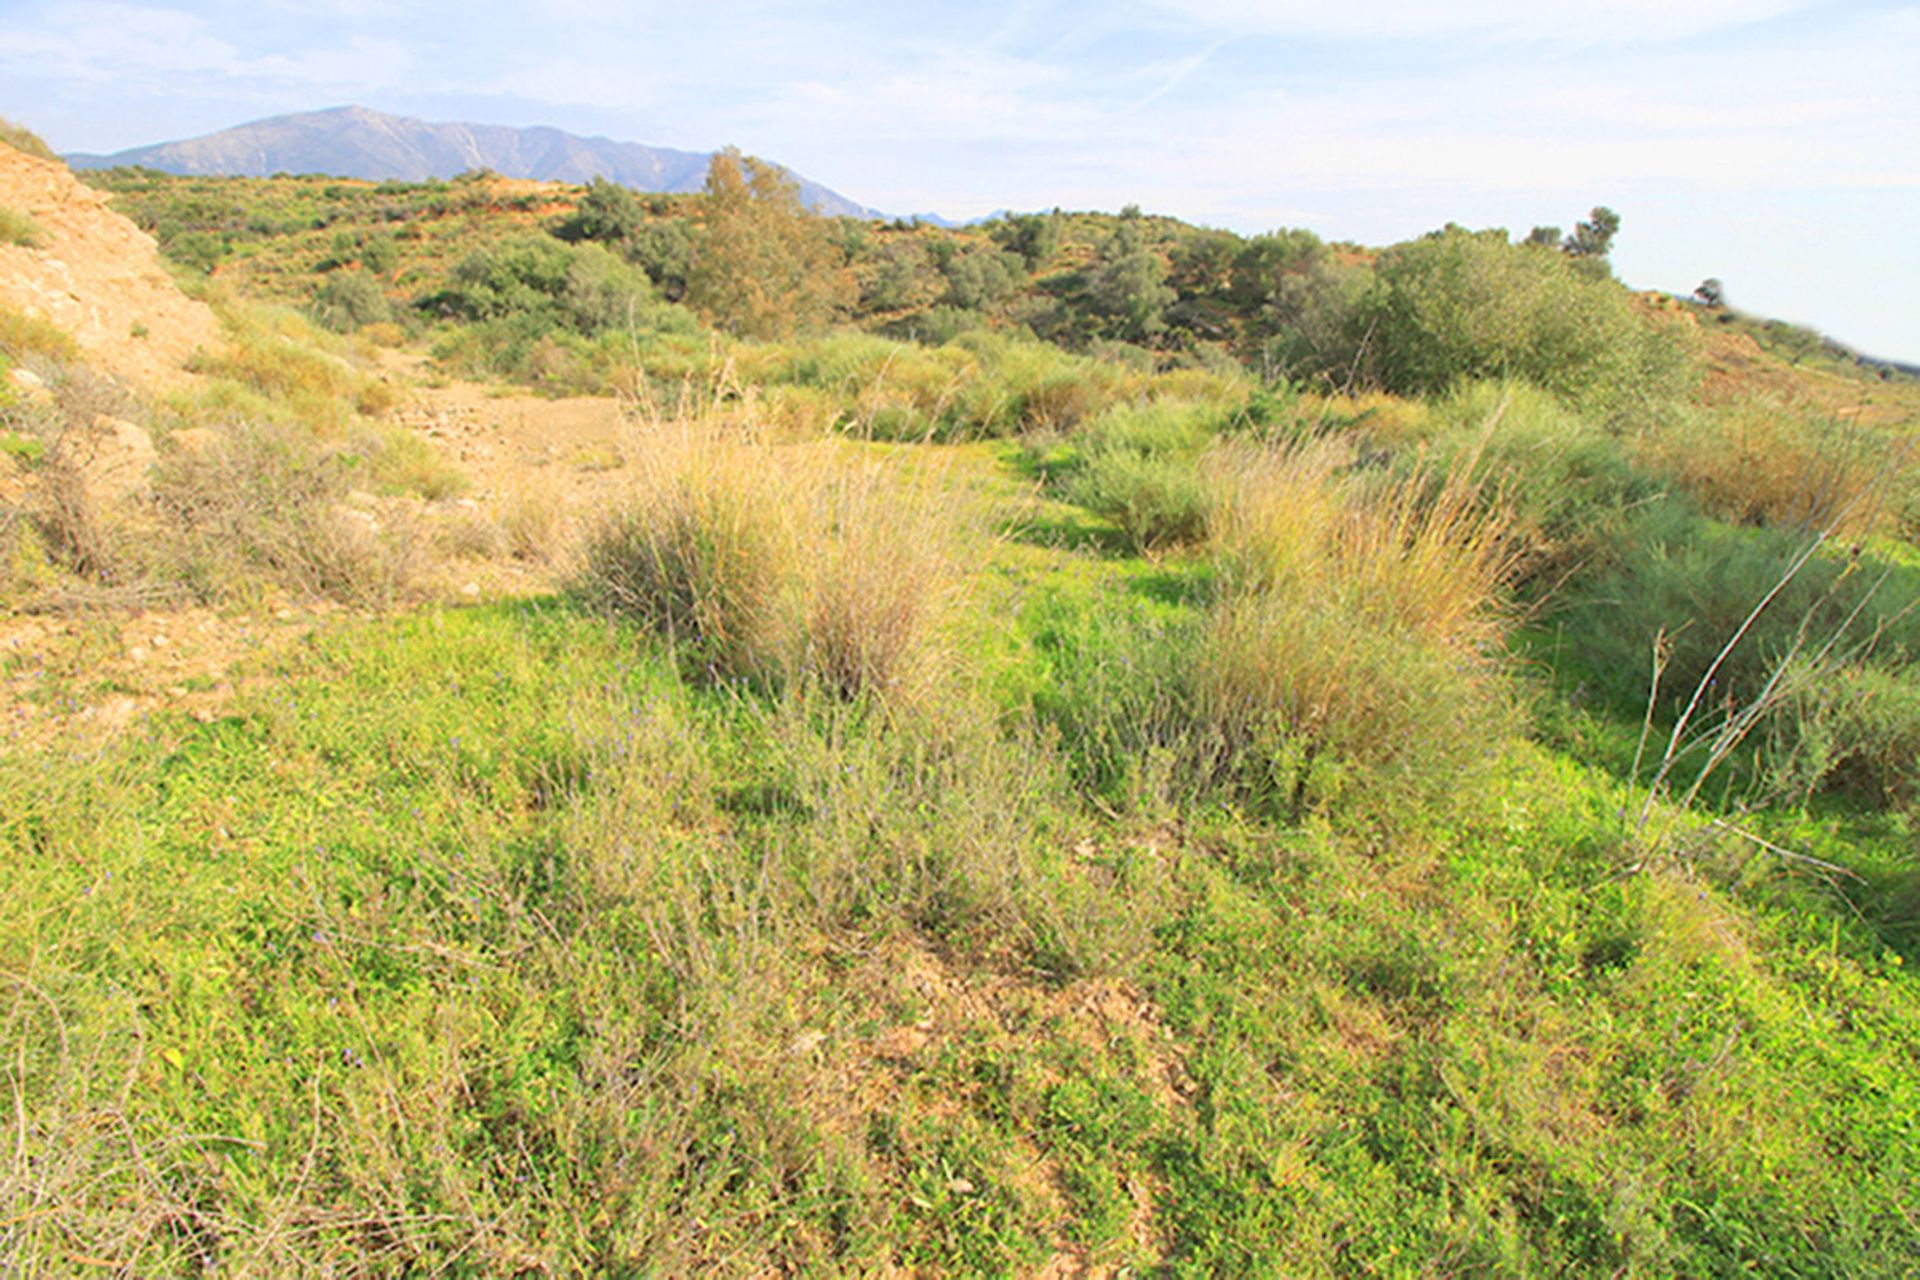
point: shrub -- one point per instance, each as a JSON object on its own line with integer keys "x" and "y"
{"x": 278, "y": 366}
{"x": 1458, "y": 304}
{"x": 1694, "y": 581}
{"x": 350, "y": 299}
{"x": 263, "y": 499}
{"x": 1855, "y": 728}
{"x": 1138, "y": 468}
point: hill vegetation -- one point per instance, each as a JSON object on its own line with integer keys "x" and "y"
{"x": 1078, "y": 745}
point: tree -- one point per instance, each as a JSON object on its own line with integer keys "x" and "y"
{"x": 1711, "y": 293}
{"x": 1129, "y": 287}
{"x": 1034, "y": 236}
{"x": 608, "y": 212}
{"x": 762, "y": 265}
{"x": 1592, "y": 240}
{"x": 982, "y": 279}
{"x": 1460, "y": 304}
{"x": 1296, "y": 301}
{"x": 1543, "y": 238}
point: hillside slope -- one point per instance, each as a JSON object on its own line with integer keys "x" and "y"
{"x": 95, "y": 275}
{"x": 356, "y": 142}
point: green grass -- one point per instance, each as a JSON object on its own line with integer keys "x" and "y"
{"x": 479, "y": 940}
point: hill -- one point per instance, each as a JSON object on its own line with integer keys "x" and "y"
{"x": 94, "y": 274}
{"x": 356, "y": 142}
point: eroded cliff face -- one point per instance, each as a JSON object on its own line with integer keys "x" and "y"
{"x": 97, "y": 276}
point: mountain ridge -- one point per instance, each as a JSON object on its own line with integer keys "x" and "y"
{"x": 359, "y": 142}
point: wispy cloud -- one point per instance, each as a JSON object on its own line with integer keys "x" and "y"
{"x": 1616, "y": 23}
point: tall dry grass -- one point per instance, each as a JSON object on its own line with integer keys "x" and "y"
{"x": 778, "y": 563}
{"x": 1755, "y": 462}
{"x": 1422, "y": 553}
{"x": 1350, "y": 661}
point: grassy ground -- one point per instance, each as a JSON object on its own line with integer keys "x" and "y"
{"x": 1203, "y": 829}
{"x": 501, "y": 939}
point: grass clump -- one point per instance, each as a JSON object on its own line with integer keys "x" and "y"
{"x": 705, "y": 552}
{"x": 24, "y": 336}
{"x": 21, "y": 138}
{"x": 1755, "y": 461}
{"x": 772, "y": 564}
{"x": 1350, "y": 660}
{"x": 19, "y": 228}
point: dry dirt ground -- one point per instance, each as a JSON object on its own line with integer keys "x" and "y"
{"x": 528, "y": 461}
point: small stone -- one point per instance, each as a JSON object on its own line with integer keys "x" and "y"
{"x": 471, "y": 590}
{"x": 805, "y": 1043}
{"x": 176, "y": 691}
{"x": 960, "y": 1187}
{"x": 137, "y": 653}
{"x": 161, "y": 642}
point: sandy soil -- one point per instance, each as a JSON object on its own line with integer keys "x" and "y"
{"x": 97, "y": 276}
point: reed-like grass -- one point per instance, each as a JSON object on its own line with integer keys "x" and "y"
{"x": 778, "y": 563}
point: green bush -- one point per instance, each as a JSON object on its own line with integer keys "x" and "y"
{"x": 1458, "y": 304}
{"x": 349, "y": 299}
{"x": 1137, "y": 467}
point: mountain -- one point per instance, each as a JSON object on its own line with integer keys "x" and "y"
{"x": 355, "y": 142}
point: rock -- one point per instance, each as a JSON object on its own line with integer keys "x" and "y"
{"x": 136, "y": 653}
{"x": 471, "y": 591}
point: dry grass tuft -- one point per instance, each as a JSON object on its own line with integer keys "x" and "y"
{"x": 1761, "y": 463}
{"x": 1423, "y": 554}
{"x": 1349, "y": 659}
{"x": 780, "y": 563}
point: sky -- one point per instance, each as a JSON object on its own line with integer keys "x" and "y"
{"x": 1774, "y": 144}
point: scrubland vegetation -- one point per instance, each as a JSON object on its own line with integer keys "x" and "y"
{"x": 1138, "y": 750}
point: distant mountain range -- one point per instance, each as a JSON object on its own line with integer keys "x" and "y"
{"x": 355, "y": 142}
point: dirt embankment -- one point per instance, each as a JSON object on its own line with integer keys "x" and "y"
{"x": 97, "y": 276}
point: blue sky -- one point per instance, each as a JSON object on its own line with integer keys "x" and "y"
{"x": 1772, "y": 143}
